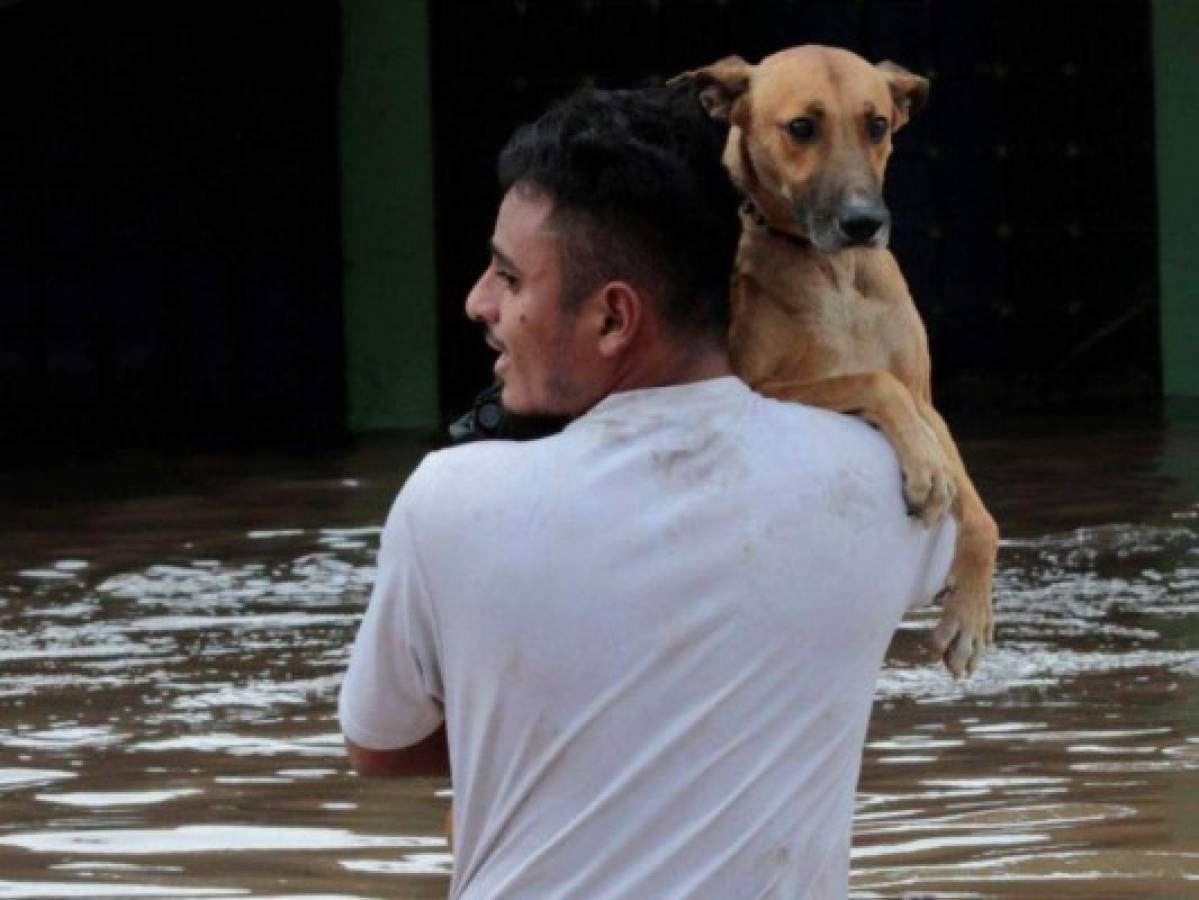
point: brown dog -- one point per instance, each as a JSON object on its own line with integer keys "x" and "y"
{"x": 821, "y": 314}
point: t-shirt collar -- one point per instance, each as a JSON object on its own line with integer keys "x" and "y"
{"x": 688, "y": 399}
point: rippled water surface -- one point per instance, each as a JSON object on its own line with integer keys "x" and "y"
{"x": 172, "y": 635}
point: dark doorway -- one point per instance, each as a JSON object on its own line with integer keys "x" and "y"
{"x": 1025, "y": 213}
{"x": 169, "y": 227}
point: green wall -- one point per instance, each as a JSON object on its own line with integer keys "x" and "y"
{"x": 389, "y": 288}
{"x": 1176, "y": 79}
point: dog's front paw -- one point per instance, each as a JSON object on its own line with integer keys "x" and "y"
{"x": 966, "y": 627}
{"x": 928, "y": 484}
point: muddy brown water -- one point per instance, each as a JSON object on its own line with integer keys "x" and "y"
{"x": 172, "y": 634}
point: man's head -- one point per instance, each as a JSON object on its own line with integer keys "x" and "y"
{"x": 612, "y": 250}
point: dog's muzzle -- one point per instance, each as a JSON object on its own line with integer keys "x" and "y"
{"x": 861, "y": 222}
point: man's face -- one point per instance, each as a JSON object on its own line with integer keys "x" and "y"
{"x": 544, "y": 354}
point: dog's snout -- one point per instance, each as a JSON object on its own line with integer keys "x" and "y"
{"x": 859, "y": 229}
{"x": 861, "y": 221}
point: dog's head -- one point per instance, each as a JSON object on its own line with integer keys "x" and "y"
{"x": 809, "y": 135}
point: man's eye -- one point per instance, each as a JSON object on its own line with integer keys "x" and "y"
{"x": 877, "y": 128}
{"x": 507, "y": 277}
{"x": 802, "y": 129}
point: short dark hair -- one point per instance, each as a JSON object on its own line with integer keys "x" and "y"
{"x": 639, "y": 194}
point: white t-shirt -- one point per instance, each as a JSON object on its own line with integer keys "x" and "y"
{"x": 654, "y": 639}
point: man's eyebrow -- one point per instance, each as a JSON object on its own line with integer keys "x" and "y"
{"x": 501, "y": 257}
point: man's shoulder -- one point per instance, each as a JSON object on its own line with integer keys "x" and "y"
{"x": 821, "y": 436}
{"x": 465, "y": 475}
{"x": 479, "y": 458}
{"x": 854, "y": 469}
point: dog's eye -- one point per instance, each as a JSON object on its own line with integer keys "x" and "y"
{"x": 802, "y": 129}
{"x": 877, "y": 128}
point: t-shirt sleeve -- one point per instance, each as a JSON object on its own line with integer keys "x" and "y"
{"x": 935, "y": 564}
{"x": 392, "y": 694}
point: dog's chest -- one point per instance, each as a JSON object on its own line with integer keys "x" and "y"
{"x": 853, "y": 326}
{"x": 802, "y": 324}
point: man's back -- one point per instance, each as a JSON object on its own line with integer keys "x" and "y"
{"x": 656, "y": 637}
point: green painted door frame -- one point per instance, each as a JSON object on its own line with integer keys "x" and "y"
{"x": 389, "y": 281}
{"x": 1176, "y": 94}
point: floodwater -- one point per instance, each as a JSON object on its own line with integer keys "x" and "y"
{"x": 172, "y": 633}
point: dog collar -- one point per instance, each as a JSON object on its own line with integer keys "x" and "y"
{"x": 757, "y": 217}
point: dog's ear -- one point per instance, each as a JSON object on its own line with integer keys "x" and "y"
{"x": 908, "y": 91}
{"x": 720, "y": 84}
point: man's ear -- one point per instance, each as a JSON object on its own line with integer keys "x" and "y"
{"x": 909, "y": 92}
{"x": 721, "y": 84}
{"x": 619, "y": 312}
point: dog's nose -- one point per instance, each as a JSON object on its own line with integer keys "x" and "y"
{"x": 860, "y": 222}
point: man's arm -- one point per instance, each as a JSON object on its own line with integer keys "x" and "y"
{"x": 428, "y": 757}
{"x": 391, "y": 695}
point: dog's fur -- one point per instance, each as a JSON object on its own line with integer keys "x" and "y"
{"x": 820, "y": 311}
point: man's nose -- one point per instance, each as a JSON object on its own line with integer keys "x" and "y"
{"x": 480, "y": 307}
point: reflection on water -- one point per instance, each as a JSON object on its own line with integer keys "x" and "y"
{"x": 171, "y": 645}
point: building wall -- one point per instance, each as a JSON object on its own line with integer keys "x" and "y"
{"x": 1176, "y": 70}
{"x": 172, "y": 257}
{"x": 387, "y": 216}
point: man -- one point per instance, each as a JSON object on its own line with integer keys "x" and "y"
{"x": 654, "y": 636}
